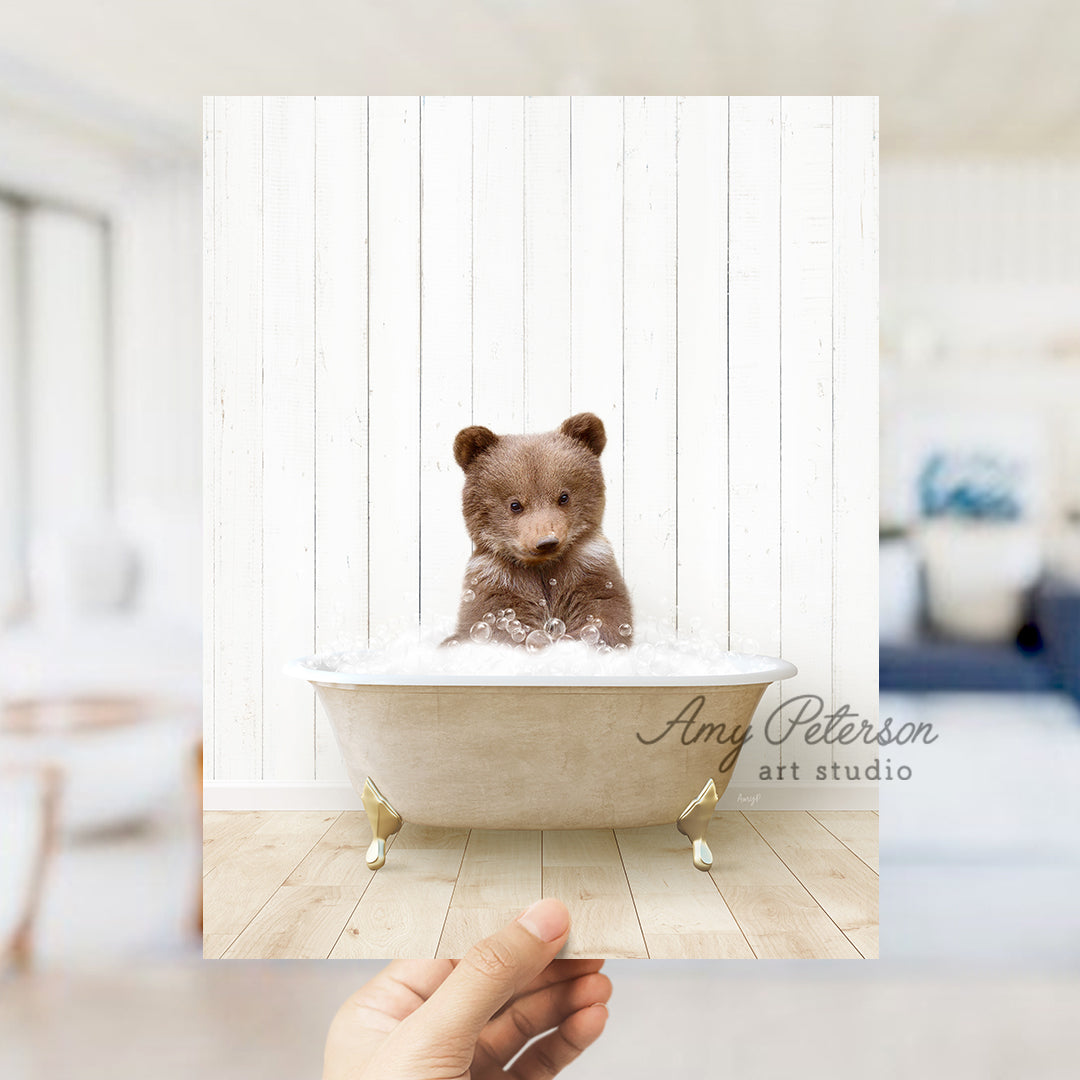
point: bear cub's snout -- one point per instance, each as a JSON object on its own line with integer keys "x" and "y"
{"x": 533, "y": 507}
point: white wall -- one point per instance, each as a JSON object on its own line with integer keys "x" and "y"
{"x": 379, "y": 273}
{"x": 980, "y": 274}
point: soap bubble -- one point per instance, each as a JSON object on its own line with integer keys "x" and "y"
{"x": 509, "y": 613}
{"x": 489, "y": 618}
{"x": 609, "y": 585}
{"x": 543, "y": 602}
{"x": 656, "y": 652}
{"x": 626, "y": 629}
{"x": 743, "y": 644}
{"x": 517, "y": 632}
{"x": 468, "y": 596}
{"x": 552, "y": 581}
{"x": 474, "y": 581}
{"x": 604, "y": 647}
{"x": 590, "y": 618}
{"x": 453, "y": 643}
{"x": 480, "y": 632}
{"x": 502, "y": 622}
{"x": 598, "y": 622}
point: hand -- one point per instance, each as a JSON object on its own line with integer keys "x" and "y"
{"x": 465, "y": 1020}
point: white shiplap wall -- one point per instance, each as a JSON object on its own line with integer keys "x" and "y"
{"x": 700, "y": 272}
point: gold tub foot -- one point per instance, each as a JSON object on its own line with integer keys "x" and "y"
{"x": 384, "y": 819}
{"x": 694, "y": 820}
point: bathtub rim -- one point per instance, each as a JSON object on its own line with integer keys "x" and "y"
{"x": 776, "y": 671}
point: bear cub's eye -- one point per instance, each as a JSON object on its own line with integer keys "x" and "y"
{"x": 516, "y": 507}
{"x": 564, "y": 498}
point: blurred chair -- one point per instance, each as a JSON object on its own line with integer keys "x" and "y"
{"x": 29, "y": 801}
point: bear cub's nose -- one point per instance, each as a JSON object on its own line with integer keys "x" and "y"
{"x": 547, "y": 545}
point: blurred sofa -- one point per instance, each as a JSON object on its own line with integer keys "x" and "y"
{"x": 1044, "y": 657}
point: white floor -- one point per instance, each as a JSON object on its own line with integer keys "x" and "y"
{"x": 123, "y": 897}
{"x": 980, "y": 849}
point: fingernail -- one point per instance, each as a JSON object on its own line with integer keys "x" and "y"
{"x": 546, "y": 919}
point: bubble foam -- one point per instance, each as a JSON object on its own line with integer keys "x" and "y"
{"x": 656, "y": 651}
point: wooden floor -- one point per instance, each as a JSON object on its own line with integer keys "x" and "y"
{"x": 785, "y": 884}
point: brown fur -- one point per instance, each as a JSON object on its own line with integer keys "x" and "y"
{"x": 507, "y": 566}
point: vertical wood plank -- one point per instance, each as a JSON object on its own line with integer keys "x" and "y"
{"x": 341, "y": 391}
{"x": 236, "y": 429}
{"x": 702, "y": 497}
{"x": 576, "y": 255}
{"x": 806, "y": 567}
{"x": 596, "y": 286}
{"x": 500, "y": 876}
{"x": 855, "y": 412}
{"x": 650, "y": 354}
{"x": 754, "y": 396}
{"x": 547, "y": 262}
{"x": 394, "y": 374}
{"x": 288, "y": 432}
{"x": 446, "y": 226}
{"x": 498, "y": 264}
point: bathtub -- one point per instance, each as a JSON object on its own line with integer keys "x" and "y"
{"x": 537, "y": 752}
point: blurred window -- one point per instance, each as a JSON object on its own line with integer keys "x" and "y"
{"x": 56, "y": 407}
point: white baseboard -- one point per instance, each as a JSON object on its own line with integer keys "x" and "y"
{"x": 796, "y": 795}
{"x": 279, "y": 795}
{"x": 312, "y": 795}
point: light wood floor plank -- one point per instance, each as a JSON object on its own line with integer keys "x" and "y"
{"x": 338, "y": 858}
{"x": 500, "y": 877}
{"x": 855, "y": 829}
{"x": 584, "y": 870}
{"x": 402, "y": 911}
{"x": 865, "y": 939}
{"x": 699, "y": 947}
{"x": 226, "y": 830}
{"x": 214, "y": 945}
{"x": 784, "y": 921}
{"x": 671, "y": 896}
{"x": 238, "y": 886}
{"x": 792, "y": 828}
{"x": 300, "y": 881}
{"x": 776, "y": 913}
{"x": 231, "y": 824}
{"x": 299, "y": 922}
{"x": 844, "y": 886}
{"x": 740, "y": 856}
{"x": 295, "y": 822}
{"x": 840, "y": 882}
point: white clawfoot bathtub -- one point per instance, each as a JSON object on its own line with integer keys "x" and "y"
{"x": 538, "y": 752}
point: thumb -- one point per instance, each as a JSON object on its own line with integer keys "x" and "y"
{"x": 492, "y": 972}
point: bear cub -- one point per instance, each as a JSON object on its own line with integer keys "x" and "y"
{"x": 533, "y": 508}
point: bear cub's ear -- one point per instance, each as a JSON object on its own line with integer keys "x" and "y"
{"x": 588, "y": 428}
{"x": 470, "y": 442}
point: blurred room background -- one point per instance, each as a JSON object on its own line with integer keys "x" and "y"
{"x": 100, "y": 528}
{"x": 980, "y": 548}
{"x": 100, "y": 493}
